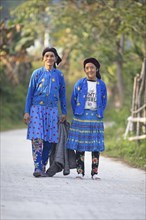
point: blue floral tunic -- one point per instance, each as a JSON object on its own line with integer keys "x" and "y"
{"x": 45, "y": 90}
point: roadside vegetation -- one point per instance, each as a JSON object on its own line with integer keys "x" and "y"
{"x": 131, "y": 152}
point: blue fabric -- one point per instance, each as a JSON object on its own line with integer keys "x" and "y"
{"x": 43, "y": 124}
{"x": 86, "y": 132}
{"x": 40, "y": 152}
{"x": 79, "y": 95}
{"x": 45, "y": 89}
{"x": 46, "y": 152}
{"x": 37, "y": 154}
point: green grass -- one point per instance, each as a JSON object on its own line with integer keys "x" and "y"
{"x": 8, "y": 124}
{"x": 131, "y": 152}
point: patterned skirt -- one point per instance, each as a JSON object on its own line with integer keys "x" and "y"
{"x": 43, "y": 123}
{"x": 86, "y": 133}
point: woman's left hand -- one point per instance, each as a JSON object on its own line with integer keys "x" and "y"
{"x": 63, "y": 118}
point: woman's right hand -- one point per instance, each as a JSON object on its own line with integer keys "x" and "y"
{"x": 26, "y": 118}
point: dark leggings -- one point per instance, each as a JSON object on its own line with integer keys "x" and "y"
{"x": 80, "y": 156}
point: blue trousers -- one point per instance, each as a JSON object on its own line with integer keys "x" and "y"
{"x": 40, "y": 152}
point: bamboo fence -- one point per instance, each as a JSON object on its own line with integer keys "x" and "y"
{"x": 137, "y": 121}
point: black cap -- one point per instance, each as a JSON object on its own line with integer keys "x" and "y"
{"x": 52, "y": 49}
{"x": 96, "y": 63}
{"x": 92, "y": 60}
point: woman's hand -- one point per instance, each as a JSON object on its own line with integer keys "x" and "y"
{"x": 63, "y": 118}
{"x": 26, "y": 118}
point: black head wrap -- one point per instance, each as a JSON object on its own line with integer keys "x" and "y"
{"x": 52, "y": 49}
{"x": 96, "y": 63}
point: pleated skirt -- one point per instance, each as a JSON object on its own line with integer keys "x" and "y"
{"x": 86, "y": 133}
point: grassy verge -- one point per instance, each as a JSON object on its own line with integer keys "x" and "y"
{"x": 11, "y": 125}
{"x": 131, "y": 152}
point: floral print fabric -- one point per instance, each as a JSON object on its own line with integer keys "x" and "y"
{"x": 40, "y": 153}
{"x": 80, "y": 156}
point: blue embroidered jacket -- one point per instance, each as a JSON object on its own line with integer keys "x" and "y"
{"x": 46, "y": 88}
{"x": 79, "y": 95}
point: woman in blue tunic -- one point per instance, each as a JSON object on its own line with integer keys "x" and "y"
{"x": 46, "y": 89}
{"x": 89, "y": 98}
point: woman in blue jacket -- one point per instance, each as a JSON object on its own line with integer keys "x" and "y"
{"x": 46, "y": 89}
{"x": 89, "y": 99}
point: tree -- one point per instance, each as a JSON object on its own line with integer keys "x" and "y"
{"x": 97, "y": 23}
{"x": 109, "y": 30}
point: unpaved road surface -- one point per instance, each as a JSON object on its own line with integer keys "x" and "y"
{"x": 119, "y": 195}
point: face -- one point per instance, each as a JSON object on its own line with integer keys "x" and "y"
{"x": 90, "y": 70}
{"x": 49, "y": 59}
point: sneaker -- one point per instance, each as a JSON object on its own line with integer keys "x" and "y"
{"x": 80, "y": 176}
{"x": 39, "y": 174}
{"x": 95, "y": 177}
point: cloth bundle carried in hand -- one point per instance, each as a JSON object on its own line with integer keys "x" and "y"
{"x": 61, "y": 158}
